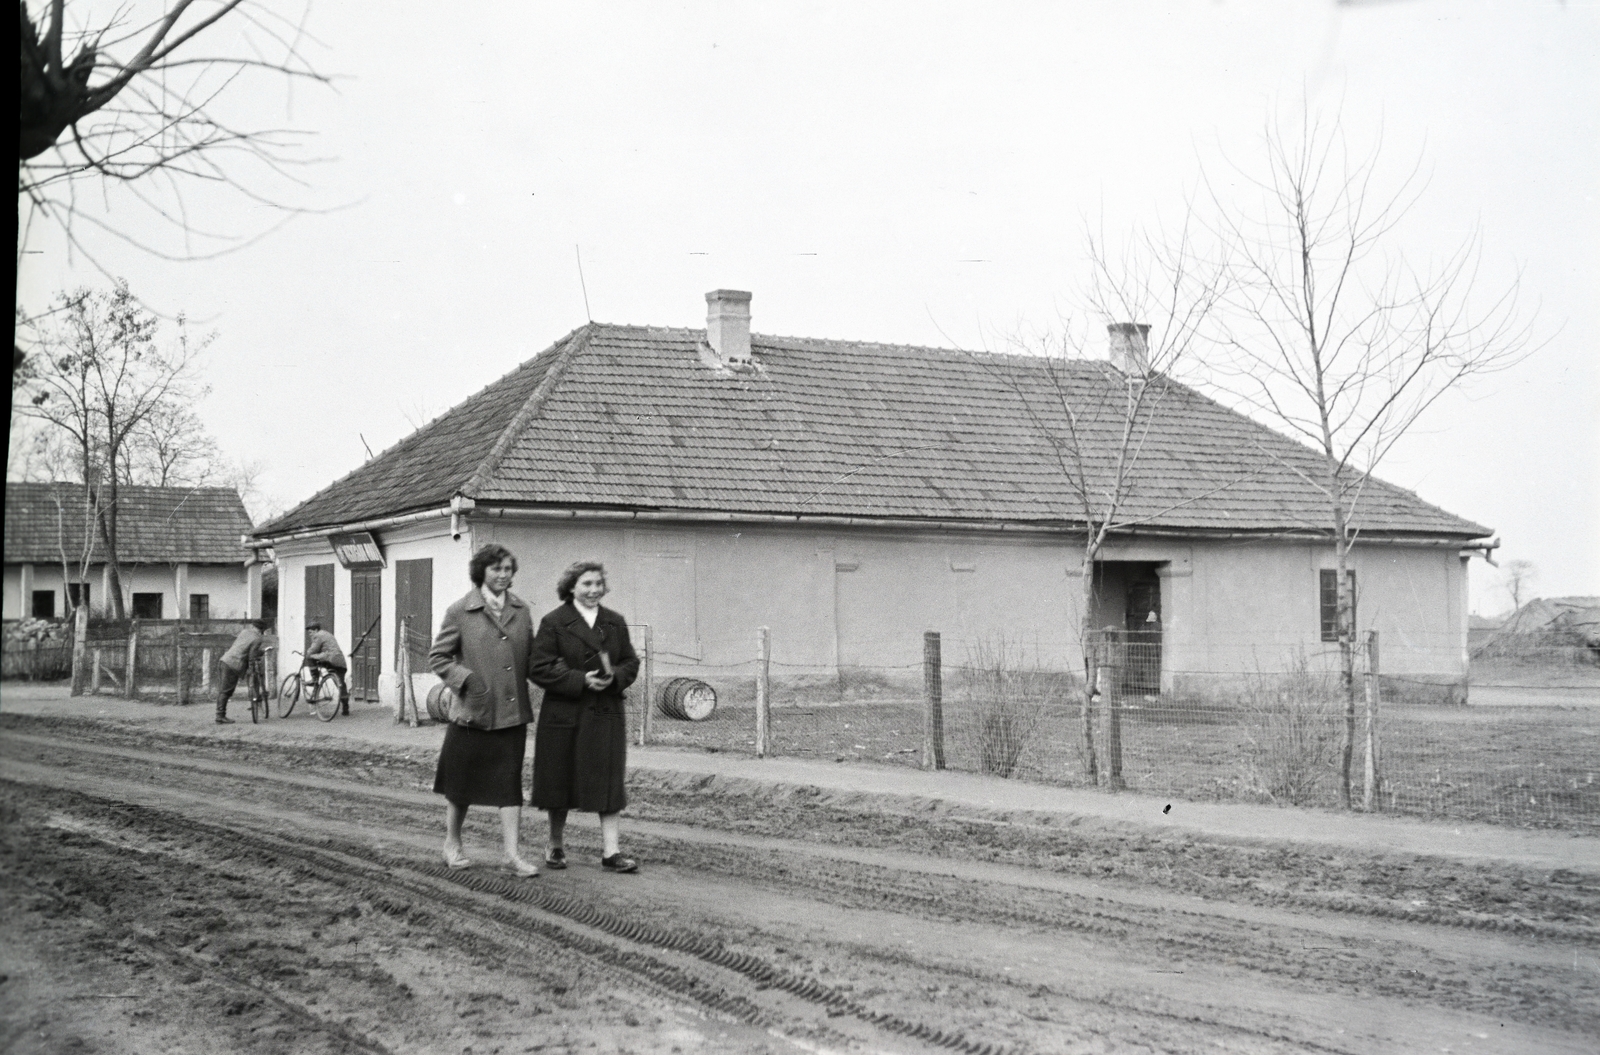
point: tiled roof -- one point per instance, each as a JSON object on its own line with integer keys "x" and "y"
{"x": 642, "y": 418}
{"x": 155, "y": 525}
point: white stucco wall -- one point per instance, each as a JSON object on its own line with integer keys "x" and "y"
{"x": 226, "y": 584}
{"x": 862, "y": 598}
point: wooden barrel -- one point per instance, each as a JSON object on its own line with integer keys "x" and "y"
{"x": 688, "y": 699}
{"x": 439, "y": 699}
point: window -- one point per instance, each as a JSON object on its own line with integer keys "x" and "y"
{"x": 199, "y": 606}
{"x": 147, "y": 606}
{"x": 1330, "y": 602}
{"x": 44, "y": 604}
{"x": 78, "y": 594}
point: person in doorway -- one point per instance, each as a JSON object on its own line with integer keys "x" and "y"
{"x": 242, "y": 655}
{"x": 323, "y": 651}
{"x": 482, "y": 653}
{"x": 583, "y": 660}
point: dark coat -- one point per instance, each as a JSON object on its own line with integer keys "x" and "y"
{"x": 471, "y": 642}
{"x": 580, "y": 754}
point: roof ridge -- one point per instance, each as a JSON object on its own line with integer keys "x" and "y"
{"x": 576, "y": 342}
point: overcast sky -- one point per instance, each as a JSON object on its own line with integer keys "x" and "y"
{"x": 905, "y": 172}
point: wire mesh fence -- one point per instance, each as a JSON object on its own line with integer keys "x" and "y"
{"x": 161, "y": 659}
{"x": 1277, "y": 734}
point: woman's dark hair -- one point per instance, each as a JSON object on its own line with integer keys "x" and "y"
{"x": 489, "y": 554}
{"x": 574, "y": 572}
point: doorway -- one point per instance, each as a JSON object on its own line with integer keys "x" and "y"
{"x": 366, "y": 633}
{"x": 1127, "y": 607}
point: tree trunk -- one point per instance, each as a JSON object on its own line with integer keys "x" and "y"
{"x": 1347, "y": 652}
{"x": 1091, "y": 763}
{"x": 107, "y": 522}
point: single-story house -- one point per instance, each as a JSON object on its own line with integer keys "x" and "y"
{"x": 179, "y": 553}
{"x": 850, "y": 496}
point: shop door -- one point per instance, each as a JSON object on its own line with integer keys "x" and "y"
{"x": 366, "y": 633}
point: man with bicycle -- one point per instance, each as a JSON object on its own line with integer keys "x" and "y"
{"x": 242, "y": 656}
{"x": 323, "y": 651}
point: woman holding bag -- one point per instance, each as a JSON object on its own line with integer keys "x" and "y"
{"x": 583, "y": 660}
{"x": 482, "y": 653}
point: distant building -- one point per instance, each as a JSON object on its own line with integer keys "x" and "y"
{"x": 850, "y": 496}
{"x": 180, "y": 553}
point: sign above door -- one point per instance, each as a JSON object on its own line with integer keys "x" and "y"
{"x": 357, "y": 551}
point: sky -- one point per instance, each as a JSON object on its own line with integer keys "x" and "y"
{"x": 919, "y": 173}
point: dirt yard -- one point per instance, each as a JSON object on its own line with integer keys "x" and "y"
{"x": 171, "y": 890}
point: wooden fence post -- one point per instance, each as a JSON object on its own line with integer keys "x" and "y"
{"x": 763, "y": 687}
{"x": 132, "y": 690}
{"x": 933, "y": 702}
{"x": 94, "y": 681}
{"x": 1114, "y": 716}
{"x": 402, "y": 670}
{"x": 646, "y": 721}
{"x": 80, "y": 642}
{"x": 177, "y": 665}
{"x": 1369, "y": 797}
{"x": 205, "y": 671}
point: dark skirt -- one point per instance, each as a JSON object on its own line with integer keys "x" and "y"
{"x": 580, "y": 759}
{"x": 481, "y": 767}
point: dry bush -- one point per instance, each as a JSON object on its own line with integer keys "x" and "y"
{"x": 1008, "y": 696}
{"x": 1292, "y": 738}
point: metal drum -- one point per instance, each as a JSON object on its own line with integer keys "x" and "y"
{"x": 688, "y": 699}
{"x": 439, "y": 699}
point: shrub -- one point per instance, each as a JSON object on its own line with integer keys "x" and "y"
{"x": 1293, "y": 732}
{"x": 1008, "y": 696}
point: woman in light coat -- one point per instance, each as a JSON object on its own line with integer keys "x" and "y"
{"x": 583, "y": 660}
{"x": 482, "y": 653}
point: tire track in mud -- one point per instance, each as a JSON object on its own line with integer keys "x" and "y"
{"x": 164, "y": 953}
{"x": 877, "y": 886}
{"x": 378, "y": 878}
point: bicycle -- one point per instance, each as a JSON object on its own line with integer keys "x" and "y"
{"x": 260, "y": 708}
{"x": 317, "y": 684}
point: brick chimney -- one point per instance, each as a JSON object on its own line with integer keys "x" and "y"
{"x": 728, "y": 325}
{"x": 1130, "y": 348}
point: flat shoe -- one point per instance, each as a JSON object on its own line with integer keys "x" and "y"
{"x": 455, "y": 858}
{"x": 521, "y": 867}
{"x": 555, "y": 858}
{"x": 618, "y": 863}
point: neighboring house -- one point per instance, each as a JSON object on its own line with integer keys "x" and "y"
{"x": 180, "y": 553}
{"x": 851, "y": 496}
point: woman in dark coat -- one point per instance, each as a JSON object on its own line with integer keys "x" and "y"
{"x": 482, "y": 653}
{"x": 583, "y": 660}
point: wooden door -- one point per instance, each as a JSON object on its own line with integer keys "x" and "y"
{"x": 366, "y": 633}
{"x": 319, "y": 604}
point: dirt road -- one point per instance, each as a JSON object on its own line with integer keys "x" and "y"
{"x": 173, "y": 891}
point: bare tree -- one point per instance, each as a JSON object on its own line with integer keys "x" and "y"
{"x": 171, "y": 448}
{"x": 1335, "y": 335}
{"x": 135, "y": 105}
{"x": 99, "y": 377}
{"x": 1094, "y": 416}
{"x": 1519, "y": 576}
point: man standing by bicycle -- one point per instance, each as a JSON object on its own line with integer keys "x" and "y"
{"x": 323, "y": 651}
{"x": 242, "y": 656}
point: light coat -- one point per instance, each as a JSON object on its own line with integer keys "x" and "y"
{"x": 245, "y": 648}
{"x": 472, "y": 641}
{"x": 324, "y": 648}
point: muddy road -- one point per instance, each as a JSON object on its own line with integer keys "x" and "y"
{"x": 173, "y": 892}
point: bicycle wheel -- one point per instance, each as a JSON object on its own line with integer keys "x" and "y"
{"x": 324, "y": 699}
{"x": 288, "y": 695}
{"x": 258, "y": 705}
